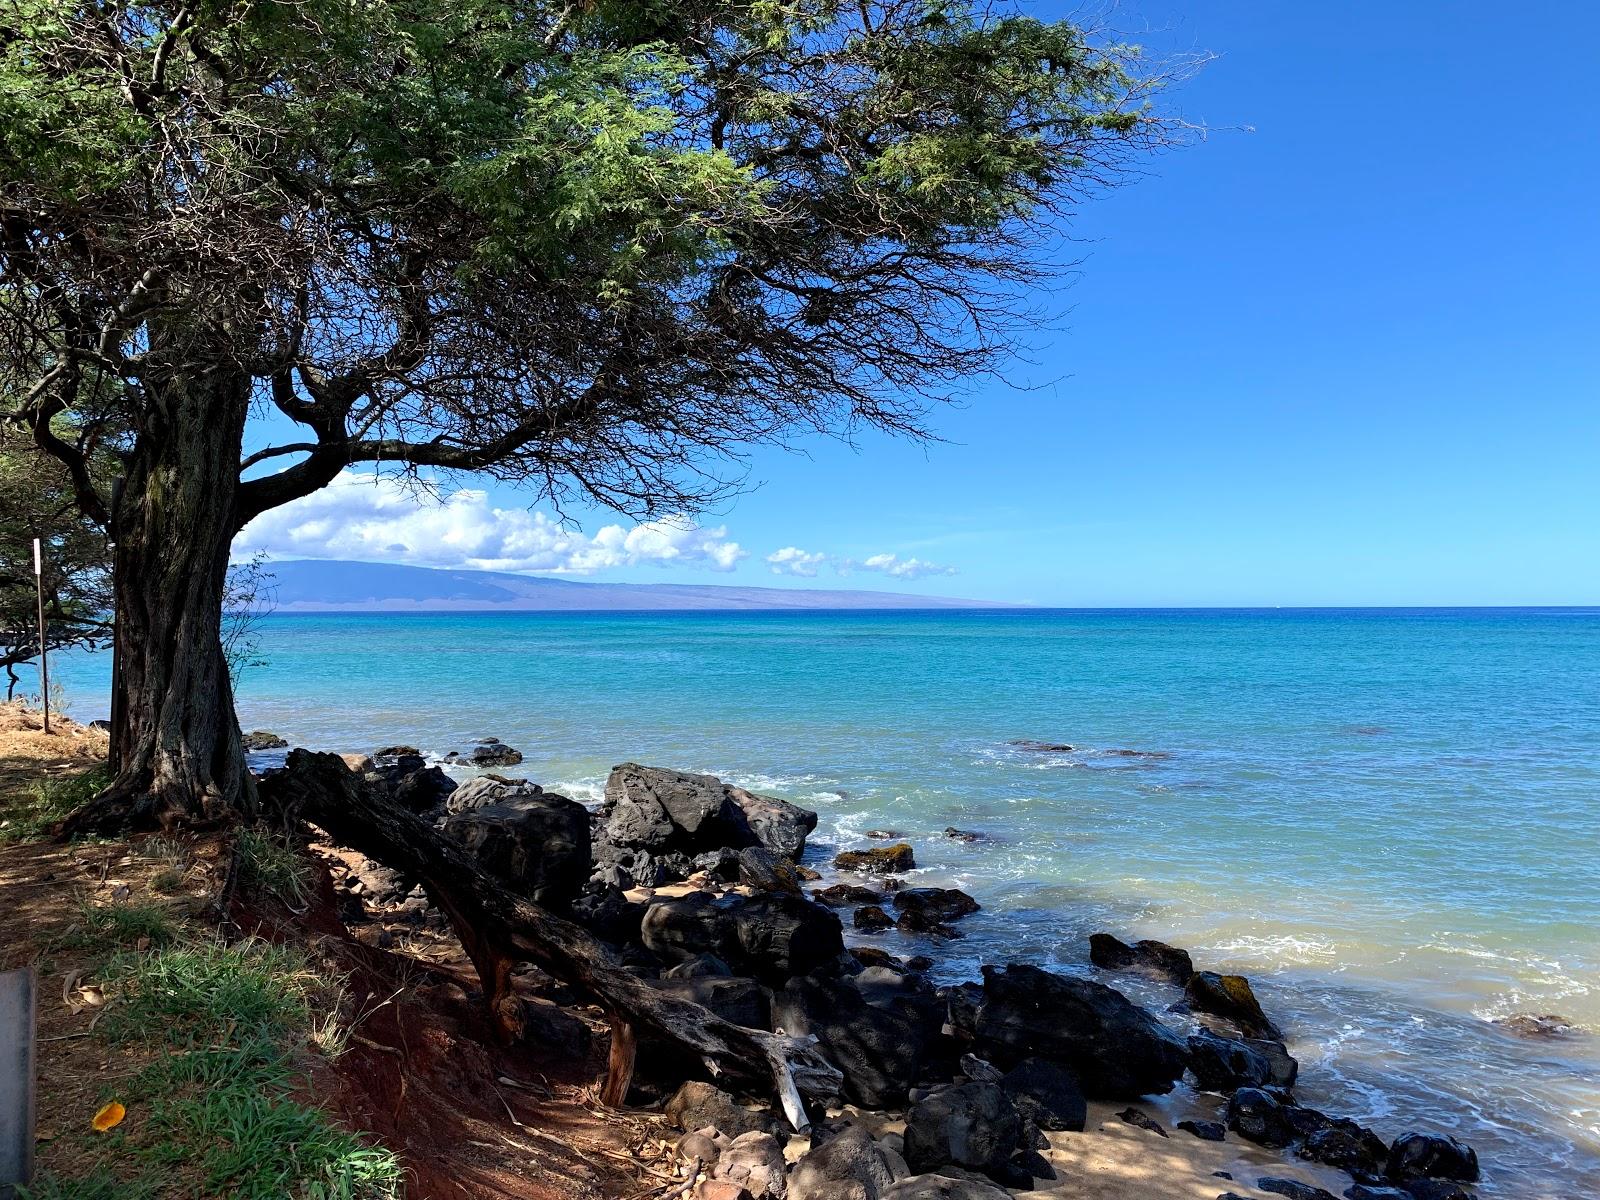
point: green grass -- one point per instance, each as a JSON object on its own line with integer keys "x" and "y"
{"x": 195, "y": 992}
{"x": 102, "y": 928}
{"x": 267, "y": 863}
{"x": 36, "y": 808}
{"x": 215, "y": 1108}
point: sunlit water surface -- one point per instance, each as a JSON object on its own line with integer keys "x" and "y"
{"x": 1389, "y": 819}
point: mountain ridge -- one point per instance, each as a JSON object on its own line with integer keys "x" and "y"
{"x": 340, "y": 585}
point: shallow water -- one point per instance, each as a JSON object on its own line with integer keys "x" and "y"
{"x": 1389, "y": 819}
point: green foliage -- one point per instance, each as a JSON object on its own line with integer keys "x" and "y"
{"x": 104, "y": 927}
{"x": 28, "y": 816}
{"x": 192, "y": 994}
{"x": 268, "y": 863}
{"x": 37, "y": 501}
{"x": 216, "y": 1105}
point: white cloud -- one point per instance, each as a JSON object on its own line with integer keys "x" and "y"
{"x": 365, "y": 517}
{"x": 792, "y": 560}
{"x": 901, "y": 568}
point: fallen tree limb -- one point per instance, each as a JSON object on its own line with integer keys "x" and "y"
{"x": 499, "y": 929}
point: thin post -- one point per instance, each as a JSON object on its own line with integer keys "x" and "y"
{"x": 18, "y": 1009}
{"x": 44, "y": 655}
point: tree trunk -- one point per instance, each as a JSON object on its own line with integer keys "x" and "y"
{"x": 499, "y": 929}
{"x": 180, "y": 755}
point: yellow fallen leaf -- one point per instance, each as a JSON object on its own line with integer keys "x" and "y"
{"x": 108, "y": 1117}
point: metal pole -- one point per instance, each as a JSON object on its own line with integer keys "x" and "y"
{"x": 18, "y": 1007}
{"x": 44, "y": 657}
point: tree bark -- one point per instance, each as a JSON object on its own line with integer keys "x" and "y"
{"x": 499, "y": 929}
{"x": 181, "y": 760}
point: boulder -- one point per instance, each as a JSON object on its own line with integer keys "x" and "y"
{"x": 734, "y": 998}
{"x": 701, "y": 966}
{"x": 360, "y": 764}
{"x": 943, "y": 1187}
{"x": 1258, "y": 1116}
{"x": 604, "y": 911}
{"x": 1230, "y": 997}
{"x": 657, "y": 809}
{"x": 485, "y": 790}
{"x": 939, "y": 904}
{"x": 763, "y": 871}
{"x": 872, "y": 919}
{"x": 721, "y": 864}
{"x": 687, "y": 926}
{"x": 973, "y": 1125}
{"x": 1151, "y": 957}
{"x": 776, "y": 936}
{"x": 848, "y": 1166}
{"x": 492, "y": 752}
{"x": 1366, "y": 1191}
{"x": 1206, "y": 1131}
{"x": 697, "y": 1105}
{"x": 538, "y": 845}
{"x": 400, "y": 751}
{"x": 1046, "y": 1094}
{"x": 1436, "y": 1189}
{"x": 754, "y": 1161}
{"x": 1347, "y": 1146}
{"x": 880, "y": 860}
{"x": 258, "y": 739}
{"x": 771, "y": 936}
{"x": 1115, "y": 1048}
{"x": 1431, "y": 1156}
{"x": 918, "y": 923}
{"x": 1225, "y": 1064}
{"x": 842, "y": 894}
{"x": 878, "y": 1046}
{"x": 1294, "y": 1189}
{"x": 423, "y": 790}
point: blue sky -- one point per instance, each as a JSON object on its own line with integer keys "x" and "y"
{"x": 1348, "y": 356}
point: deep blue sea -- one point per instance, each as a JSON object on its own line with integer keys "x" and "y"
{"x": 1389, "y": 819}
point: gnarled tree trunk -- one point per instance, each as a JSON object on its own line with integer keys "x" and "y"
{"x": 178, "y": 737}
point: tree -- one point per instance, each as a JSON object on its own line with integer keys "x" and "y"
{"x": 595, "y": 247}
{"x": 36, "y": 501}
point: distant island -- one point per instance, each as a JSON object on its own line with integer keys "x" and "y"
{"x": 321, "y": 585}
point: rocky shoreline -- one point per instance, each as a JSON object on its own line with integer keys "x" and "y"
{"x": 969, "y": 1091}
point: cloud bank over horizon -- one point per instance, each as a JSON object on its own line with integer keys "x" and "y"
{"x": 381, "y": 518}
{"x": 378, "y": 517}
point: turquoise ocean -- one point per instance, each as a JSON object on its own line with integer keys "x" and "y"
{"x": 1388, "y": 819}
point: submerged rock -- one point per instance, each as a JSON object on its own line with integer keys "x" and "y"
{"x": 1156, "y": 958}
{"x": 939, "y": 904}
{"x": 1034, "y": 747}
{"x": 841, "y": 894}
{"x": 1230, "y": 997}
{"x": 872, "y": 919}
{"x": 490, "y": 752}
{"x": 965, "y": 835}
{"x": 880, "y": 860}
{"x": 1547, "y": 1027}
{"x": 1117, "y": 1049}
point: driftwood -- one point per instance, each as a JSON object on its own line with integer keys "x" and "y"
{"x": 499, "y": 929}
